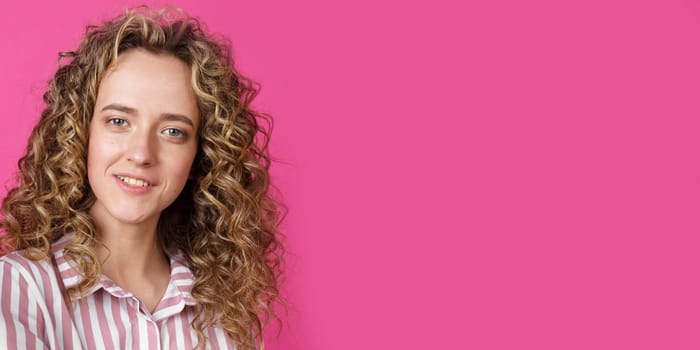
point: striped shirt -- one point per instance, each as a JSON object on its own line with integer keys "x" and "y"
{"x": 35, "y": 314}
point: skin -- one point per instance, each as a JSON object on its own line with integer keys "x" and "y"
{"x": 144, "y": 126}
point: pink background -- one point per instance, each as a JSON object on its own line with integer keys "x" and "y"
{"x": 496, "y": 175}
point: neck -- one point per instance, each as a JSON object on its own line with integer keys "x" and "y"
{"x": 127, "y": 251}
{"x": 132, "y": 257}
{"x": 133, "y": 251}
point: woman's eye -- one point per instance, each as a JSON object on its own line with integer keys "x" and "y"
{"x": 174, "y": 132}
{"x": 117, "y": 121}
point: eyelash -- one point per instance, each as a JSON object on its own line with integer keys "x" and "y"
{"x": 173, "y": 132}
{"x": 179, "y": 135}
{"x": 114, "y": 121}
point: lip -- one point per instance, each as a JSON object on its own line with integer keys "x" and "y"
{"x": 137, "y": 177}
{"x": 134, "y": 189}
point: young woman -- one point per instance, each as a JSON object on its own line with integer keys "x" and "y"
{"x": 142, "y": 217}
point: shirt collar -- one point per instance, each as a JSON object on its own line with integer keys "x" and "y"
{"x": 181, "y": 277}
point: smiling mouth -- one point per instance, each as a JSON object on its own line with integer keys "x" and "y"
{"x": 133, "y": 182}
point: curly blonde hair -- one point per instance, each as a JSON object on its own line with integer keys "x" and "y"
{"x": 225, "y": 220}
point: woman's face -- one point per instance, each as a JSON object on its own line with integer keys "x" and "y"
{"x": 143, "y": 138}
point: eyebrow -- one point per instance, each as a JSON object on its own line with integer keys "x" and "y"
{"x": 119, "y": 108}
{"x": 130, "y": 110}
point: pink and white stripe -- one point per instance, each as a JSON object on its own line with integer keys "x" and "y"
{"x": 35, "y": 315}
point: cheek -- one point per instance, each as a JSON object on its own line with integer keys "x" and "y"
{"x": 94, "y": 155}
{"x": 100, "y": 152}
{"x": 179, "y": 167}
{"x": 93, "y": 166}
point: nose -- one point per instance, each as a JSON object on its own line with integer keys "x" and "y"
{"x": 141, "y": 149}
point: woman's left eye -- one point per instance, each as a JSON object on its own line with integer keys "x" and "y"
{"x": 174, "y": 132}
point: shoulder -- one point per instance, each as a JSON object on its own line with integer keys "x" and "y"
{"x": 32, "y": 302}
{"x": 37, "y": 276}
{"x": 18, "y": 262}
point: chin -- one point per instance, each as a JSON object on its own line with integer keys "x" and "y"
{"x": 131, "y": 221}
{"x": 132, "y": 218}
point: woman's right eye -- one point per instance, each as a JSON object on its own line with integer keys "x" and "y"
{"x": 116, "y": 121}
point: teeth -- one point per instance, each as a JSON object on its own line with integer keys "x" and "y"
{"x": 133, "y": 182}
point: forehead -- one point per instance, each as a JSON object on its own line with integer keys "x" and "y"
{"x": 150, "y": 83}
